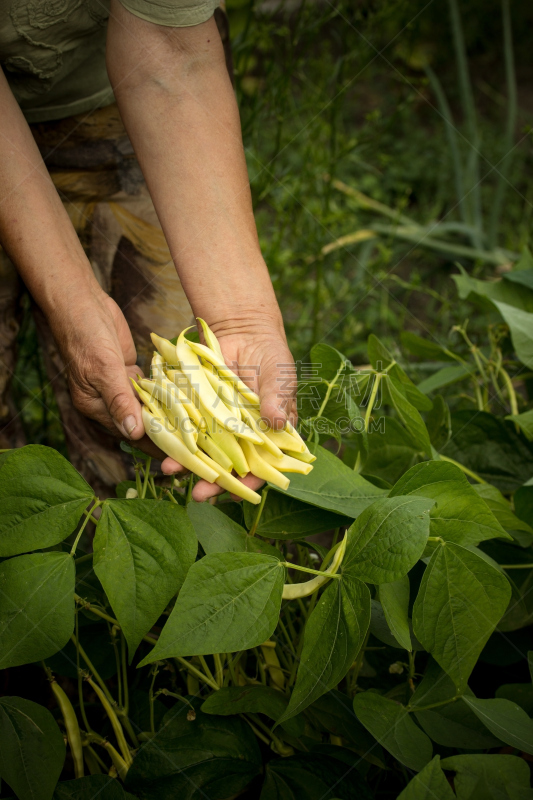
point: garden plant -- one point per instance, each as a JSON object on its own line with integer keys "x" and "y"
{"x": 326, "y": 641}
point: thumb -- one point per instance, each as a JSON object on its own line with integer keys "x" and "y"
{"x": 277, "y": 390}
{"x": 122, "y": 404}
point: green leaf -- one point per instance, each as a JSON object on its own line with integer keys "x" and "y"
{"x": 501, "y": 508}
{"x": 36, "y": 607}
{"x": 229, "y": 602}
{"x": 312, "y": 776}
{"x": 330, "y": 387}
{"x": 504, "y": 719}
{"x": 381, "y": 358}
{"x": 505, "y": 776}
{"x": 33, "y": 750}
{"x": 425, "y": 348}
{"x": 209, "y": 757}
{"x": 387, "y": 539}
{"x": 429, "y": 784}
{"x": 142, "y": 552}
{"x": 496, "y": 292}
{"x": 439, "y": 423}
{"x": 334, "y": 634}
{"x": 521, "y": 694}
{"x": 409, "y": 416}
{"x": 444, "y": 377}
{"x": 394, "y": 599}
{"x": 218, "y": 533}
{"x": 252, "y": 699}
{"x": 333, "y": 713}
{"x": 92, "y": 787}
{"x": 521, "y": 326}
{"x": 379, "y": 627}
{"x": 459, "y": 514}
{"x": 491, "y": 447}
{"x": 451, "y": 725}
{"x": 333, "y": 485}
{"x": 460, "y": 600}
{"x": 392, "y": 726}
{"x": 391, "y": 450}
{"x": 286, "y": 518}
{"x": 524, "y": 277}
{"x": 524, "y": 422}
{"x": 42, "y": 498}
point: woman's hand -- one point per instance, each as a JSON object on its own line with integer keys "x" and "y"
{"x": 264, "y": 362}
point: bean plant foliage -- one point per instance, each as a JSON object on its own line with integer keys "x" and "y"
{"x": 297, "y": 649}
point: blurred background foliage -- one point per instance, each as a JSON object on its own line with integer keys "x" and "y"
{"x": 413, "y": 104}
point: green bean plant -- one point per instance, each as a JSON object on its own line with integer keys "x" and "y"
{"x": 326, "y": 643}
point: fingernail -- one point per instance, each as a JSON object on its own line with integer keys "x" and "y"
{"x": 129, "y": 424}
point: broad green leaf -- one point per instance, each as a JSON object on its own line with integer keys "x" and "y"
{"x": 452, "y": 724}
{"x": 36, "y": 607}
{"x": 504, "y": 719}
{"x": 379, "y": 627}
{"x": 409, "y": 416}
{"x": 391, "y": 450}
{"x": 333, "y": 713}
{"x": 284, "y": 517}
{"x": 497, "y": 292}
{"x": 505, "y": 776}
{"x": 394, "y": 599}
{"x": 521, "y": 326}
{"x": 460, "y": 601}
{"x": 218, "y": 533}
{"x": 387, "y": 539}
{"x": 524, "y": 422}
{"x": 429, "y": 784}
{"x": 391, "y": 725}
{"x": 439, "y": 423}
{"x": 229, "y": 602}
{"x": 524, "y": 277}
{"x": 334, "y": 634}
{"x": 521, "y": 694}
{"x": 142, "y": 552}
{"x": 444, "y": 377}
{"x": 252, "y": 699}
{"x": 525, "y": 262}
{"x": 92, "y": 787}
{"x": 90, "y": 637}
{"x": 42, "y": 498}
{"x": 333, "y": 485}
{"x": 425, "y": 348}
{"x": 312, "y": 776}
{"x": 501, "y": 508}
{"x": 380, "y": 358}
{"x": 459, "y": 514}
{"x": 208, "y": 757}
{"x": 33, "y": 750}
{"x": 492, "y": 448}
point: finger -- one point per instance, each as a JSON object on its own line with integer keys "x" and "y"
{"x": 251, "y": 482}
{"x": 171, "y": 467}
{"x": 121, "y": 403}
{"x": 277, "y": 389}
{"x": 204, "y": 490}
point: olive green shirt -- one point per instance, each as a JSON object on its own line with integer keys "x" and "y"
{"x": 53, "y": 51}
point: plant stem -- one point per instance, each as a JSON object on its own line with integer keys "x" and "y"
{"x": 516, "y": 566}
{"x": 117, "y": 727}
{"x": 83, "y": 526}
{"x": 197, "y": 673}
{"x": 146, "y": 477}
{"x": 155, "y": 670}
{"x": 434, "y": 705}
{"x": 83, "y": 559}
{"x": 219, "y": 669}
{"x": 264, "y": 495}
{"x": 309, "y": 570}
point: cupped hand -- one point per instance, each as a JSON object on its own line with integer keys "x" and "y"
{"x": 264, "y": 362}
{"x": 99, "y": 355}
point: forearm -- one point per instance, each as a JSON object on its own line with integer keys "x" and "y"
{"x": 35, "y": 229}
{"x": 179, "y": 109}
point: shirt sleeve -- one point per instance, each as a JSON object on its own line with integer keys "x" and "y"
{"x": 173, "y": 13}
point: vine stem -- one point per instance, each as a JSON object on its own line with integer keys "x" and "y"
{"x": 83, "y": 526}
{"x": 309, "y": 570}
{"x": 264, "y": 495}
{"x": 370, "y": 407}
{"x": 197, "y": 673}
{"x": 146, "y": 477}
{"x": 330, "y": 388}
{"x": 516, "y": 566}
{"x": 464, "y": 469}
{"x": 434, "y": 705}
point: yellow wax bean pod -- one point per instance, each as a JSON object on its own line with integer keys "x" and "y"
{"x": 306, "y": 457}
{"x": 291, "y": 591}
{"x": 149, "y": 400}
{"x": 190, "y": 365}
{"x": 166, "y": 349}
{"x": 280, "y": 438}
{"x": 157, "y": 365}
{"x": 168, "y": 396}
{"x": 227, "y": 393}
{"x": 294, "y": 433}
{"x": 187, "y": 396}
{"x": 262, "y": 469}
{"x": 268, "y": 444}
{"x": 173, "y": 445}
{"x": 210, "y": 338}
{"x": 230, "y": 483}
{"x": 286, "y": 463}
{"x": 224, "y": 371}
{"x": 213, "y": 451}
{"x": 227, "y": 443}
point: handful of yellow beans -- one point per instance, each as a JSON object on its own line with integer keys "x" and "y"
{"x": 199, "y": 412}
